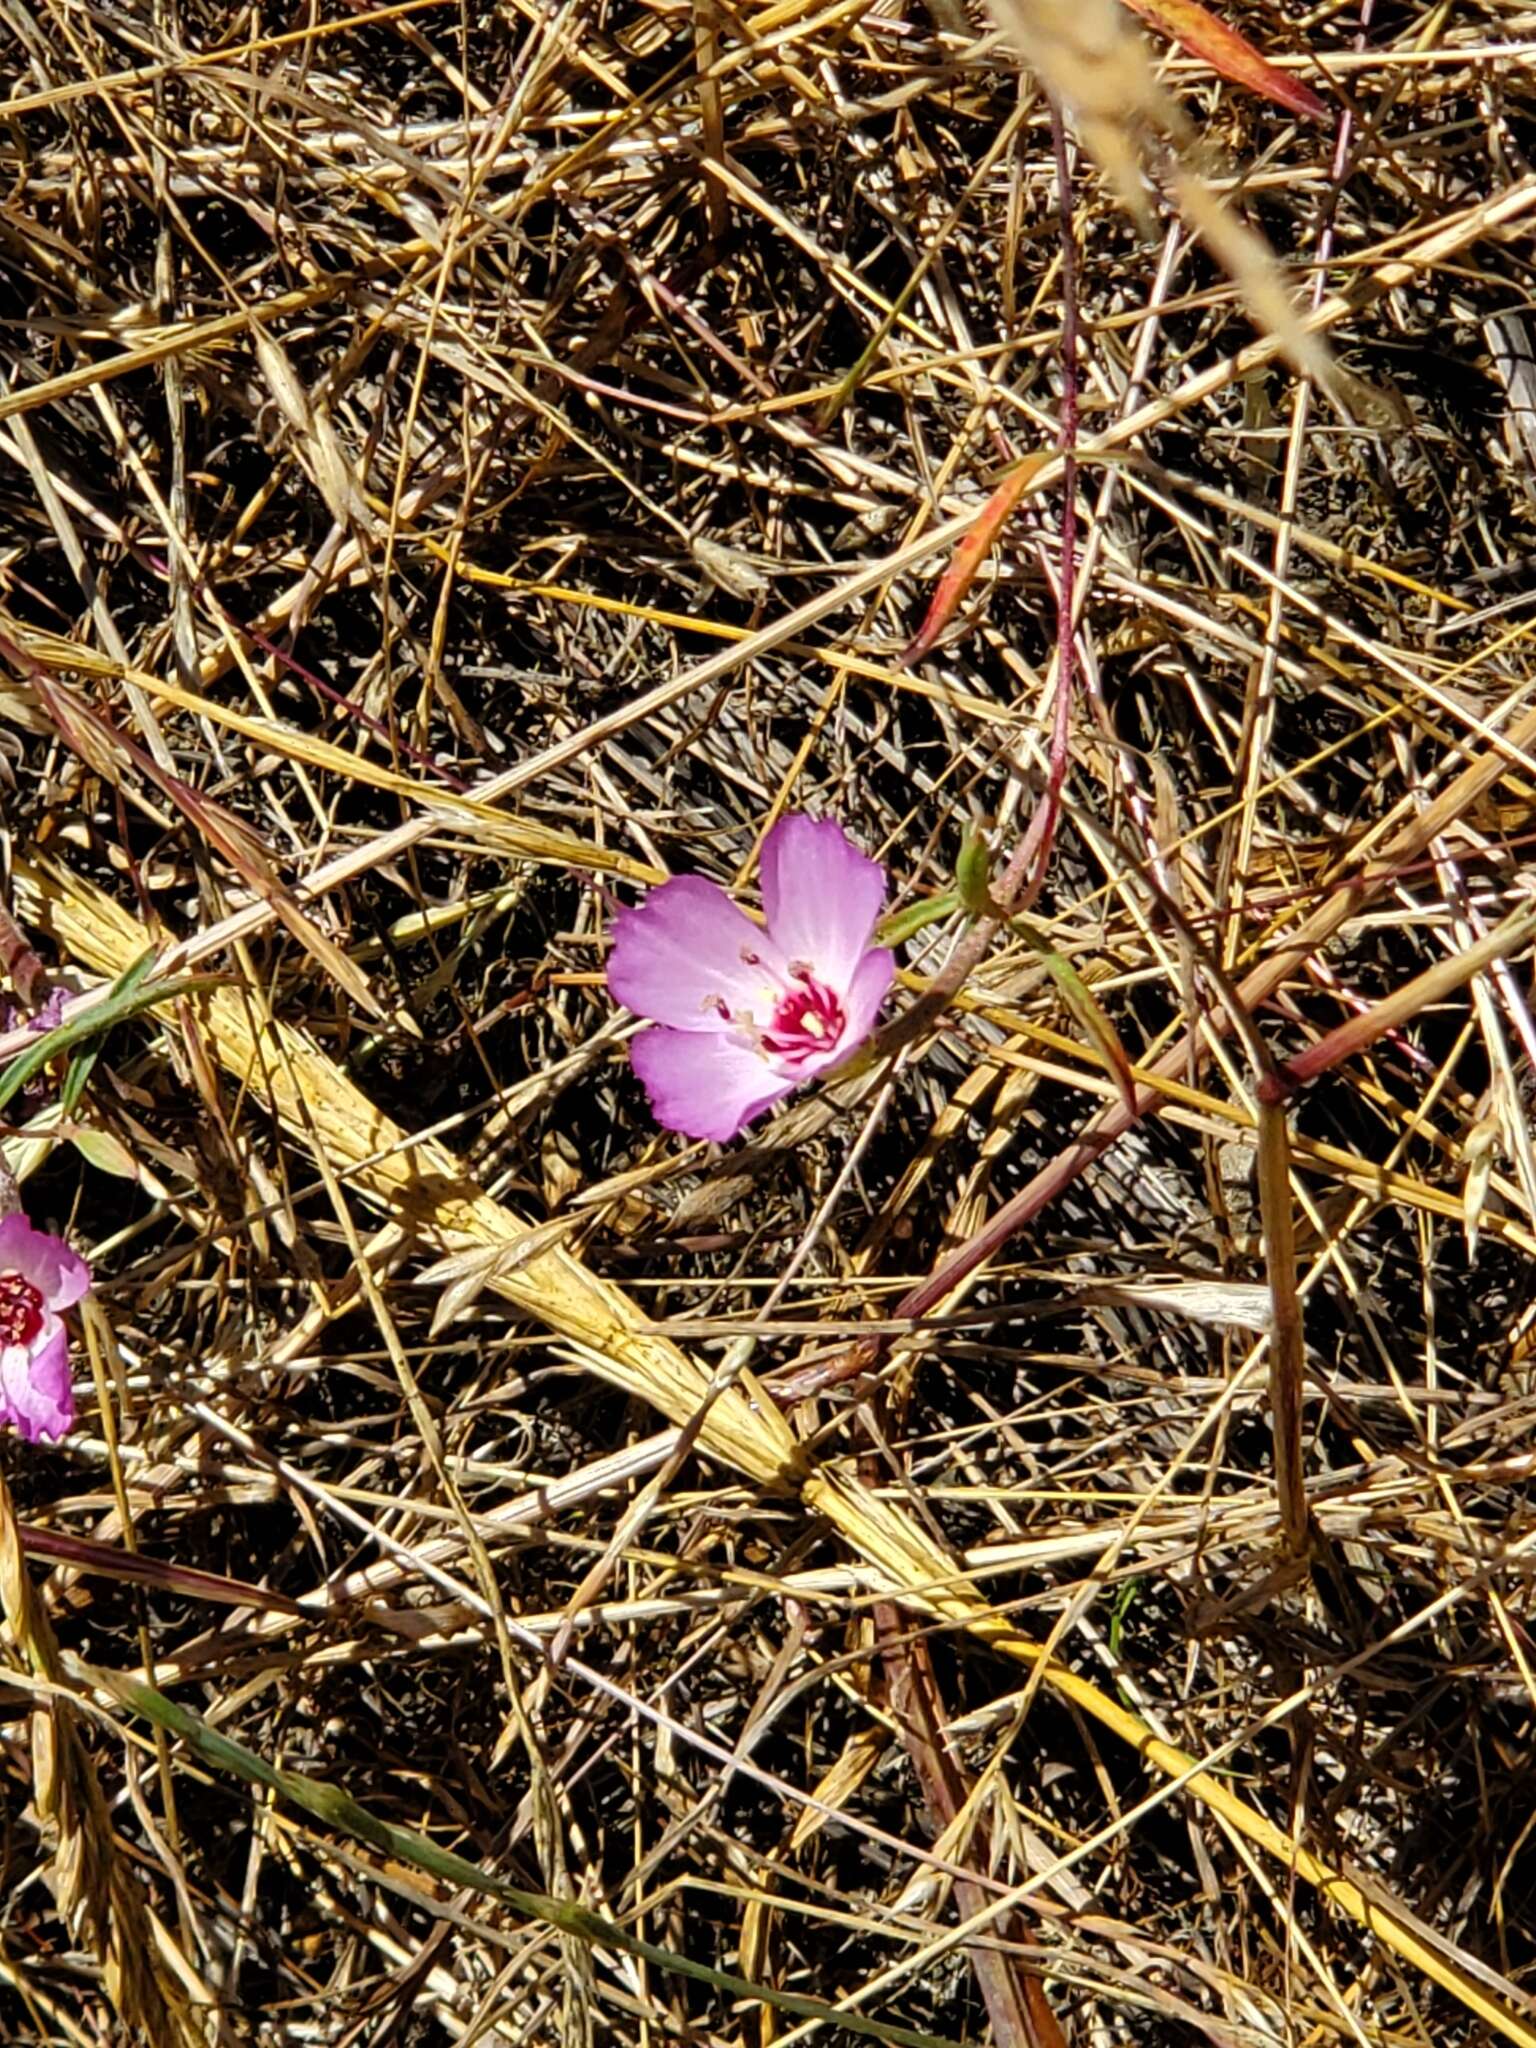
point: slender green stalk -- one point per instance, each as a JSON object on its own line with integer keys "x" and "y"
{"x": 130, "y": 994}
{"x": 339, "y": 1810}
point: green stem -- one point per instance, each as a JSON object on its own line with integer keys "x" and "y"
{"x": 129, "y": 995}
{"x": 903, "y": 924}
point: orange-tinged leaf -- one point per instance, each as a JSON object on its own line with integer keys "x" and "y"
{"x": 1088, "y": 55}
{"x": 1047, "y": 2031}
{"x": 1209, "y": 38}
{"x": 969, "y": 556}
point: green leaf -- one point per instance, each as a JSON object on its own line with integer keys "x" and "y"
{"x": 973, "y": 874}
{"x": 902, "y": 924}
{"x": 1125, "y": 1599}
{"x": 1085, "y": 1009}
{"x": 76, "y": 1074}
{"x": 129, "y": 994}
{"x": 101, "y": 1150}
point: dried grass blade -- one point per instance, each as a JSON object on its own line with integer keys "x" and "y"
{"x": 1406, "y": 1003}
{"x": 1231, "y": 1304}
{"x": 521, "y": 838}
{"x": 832, "y": 1791}
{"x": 425, "y": 1188}
{"x": 1250, "y": 262}
{"x": 918, "y": 1712}
{"x": 99, "y": 743}
{"x": 1090, "y": 59}
{"x": 337, "y": 1809}
{"x": 1086, "y": 1010}
{"x": 464, "y": 1276}
{"x": 1286, "y": 1345}
{"x": 316, "y": 436}
{"x": 128, "y": 998}
{"x": 81, "y": 1554}
{"x": 99, "y": 1896}
{"x": 1088, "y": 56}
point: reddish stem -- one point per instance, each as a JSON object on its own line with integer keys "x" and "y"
{"x": 1024, "y": 876}
{"x": 1188, "y": 1053}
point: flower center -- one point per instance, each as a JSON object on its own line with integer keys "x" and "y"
{"x": 806, "y": 1024}
{"x": 21, "y": 1310}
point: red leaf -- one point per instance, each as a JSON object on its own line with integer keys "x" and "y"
{"x": 1204, "y": 36}
{"x": 969, "y": 556}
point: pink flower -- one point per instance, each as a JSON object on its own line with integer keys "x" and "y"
{"x": 39, "y": 1275}
{"x": 742, "y": 1015}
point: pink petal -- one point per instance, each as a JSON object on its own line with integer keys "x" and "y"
{"x": 681, "y": 954}
{"x": 822, "y": 896}
{"x": 35, "y": 1394}
{"x": 703, "y": 1084}
{"x": 59, "y": 1275}
{"x": 869, "y": 988}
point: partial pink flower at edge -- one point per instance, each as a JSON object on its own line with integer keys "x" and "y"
{"x": 39, "y": 1276}
{"x": 741, "y": 1015}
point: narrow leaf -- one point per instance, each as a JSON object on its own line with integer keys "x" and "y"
{"x": 83, "y": 1554}
{"x": 127, "y": 997}
{"x": 107, "y": 1154}
{"x": 1287, "y": 1336}
{"x": 339, "y": 1810}
{"x": 1402, "y": 1007}
{"x": 1233, "y": 1304}
{"x": 973, "y": 873}
{"x": 1080, "y": 1000}
{"x": 76, "y": 1074}
{"x": 970, "y": 554}
{"x": 916, "y": 917}
{"x": 1209, "y": 38}
{"x": 1480, "y": 1151}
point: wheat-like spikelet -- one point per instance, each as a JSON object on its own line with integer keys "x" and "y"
{"x": 426, "y": 1190}
{"x": 1090, "y": 57}
{"x": 99, "y": 1899}
{"x": 1087, "y": 55}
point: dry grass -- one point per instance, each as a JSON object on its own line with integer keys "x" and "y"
{"x": 1023, "y": 1553}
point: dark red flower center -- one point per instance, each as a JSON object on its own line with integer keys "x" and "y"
{"x": 21, "y": 1310}
{"x": 807, "y": 1023}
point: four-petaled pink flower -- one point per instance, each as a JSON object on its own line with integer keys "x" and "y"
{"x": 39, "y": 1275}
{"x": 744, "y": 1015}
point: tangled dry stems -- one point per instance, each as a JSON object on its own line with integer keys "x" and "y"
{"x": 461, "y": 468}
